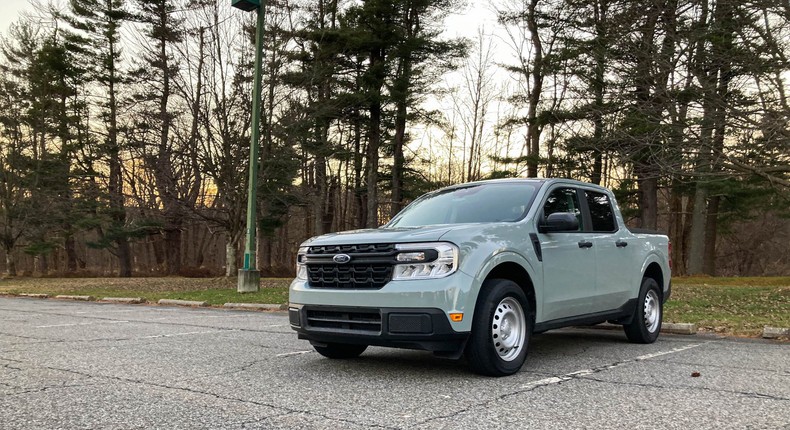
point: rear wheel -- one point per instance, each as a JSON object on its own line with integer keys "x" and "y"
{"x": 501, "y": 329}
{"x": 646, "y": 323}
{"x": 340, "y": 350}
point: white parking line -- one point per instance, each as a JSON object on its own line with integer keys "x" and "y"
{"x": 182, "y": 334}
{"x": 76, "y": 324}
{"x": 585, "y": 372}
{"x": 672, "y": 351}
{"x": 288, "y": 354}
{"x": 108, "y": 311}
{"x": 224, "y": 316}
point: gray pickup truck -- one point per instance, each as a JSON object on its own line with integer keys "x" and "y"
{"x": 476, "y": 269}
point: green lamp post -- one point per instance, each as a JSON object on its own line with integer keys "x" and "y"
{"x": 249, "y": 276}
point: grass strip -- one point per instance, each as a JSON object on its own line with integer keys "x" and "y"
{"x": 215, "y": 291}
{"x": 733, "y": 306}
{"x": 729, "y": 309}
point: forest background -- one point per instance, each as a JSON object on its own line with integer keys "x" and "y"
{"x": 124, "y": 124}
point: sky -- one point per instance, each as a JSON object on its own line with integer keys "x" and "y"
{"x": 465, "y": 24}
{"x": 9, "y": 11}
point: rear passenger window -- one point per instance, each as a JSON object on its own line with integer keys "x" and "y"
{"x": 601, "y": 212}
{"x": 563, "y": 200}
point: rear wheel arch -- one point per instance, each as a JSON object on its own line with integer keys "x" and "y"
{"x": 654, "y": 271}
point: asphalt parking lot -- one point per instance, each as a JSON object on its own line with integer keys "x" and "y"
{"x": 100, "y": 366}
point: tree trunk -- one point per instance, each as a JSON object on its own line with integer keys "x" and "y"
{"x": 697, "y": 234}
{"x": 533, "y": 130}
{"x": 648, "y": 199}
{"x": 10, "y": 263}
{"x": 231, "y": 247}
{"x": 398, "y": 158}
{"x": 172, "y": 251}
{"x": 124, "y": 258}
{"x": 319, "y": 200}
{"x": 676, "y": 227}
{"x": 71, "y": 254}
{"x": 373, "y": 165}
{"x": 359, "y": 196}
{"x": 159, "y": 253}
{"x": 374, "y": 135}
{"x": 711, "y": 224}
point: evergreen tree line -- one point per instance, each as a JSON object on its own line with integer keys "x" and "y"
{"x": 125, "y": 124}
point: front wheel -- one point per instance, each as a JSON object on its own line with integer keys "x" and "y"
{"x": 646, "y": 323}
{"x": 340, "y": 350}
{"x": 501, "y": 329}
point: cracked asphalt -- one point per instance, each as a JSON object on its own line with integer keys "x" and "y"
{"x": 104, "y": 366}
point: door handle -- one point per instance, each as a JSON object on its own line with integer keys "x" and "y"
{"x": 585, "y": 244}
{"x": 621, "y": 244}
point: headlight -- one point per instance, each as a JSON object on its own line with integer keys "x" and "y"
{"x": 301, "y": 268}
{"x": 425, "y": 260}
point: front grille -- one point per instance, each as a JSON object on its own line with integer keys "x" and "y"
{"x": 373, "y": 276}
{"x": 358, "y": 321}
{"x": 370, "y": 266}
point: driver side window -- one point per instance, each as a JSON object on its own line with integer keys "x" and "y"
{"x": 563, "y": 200}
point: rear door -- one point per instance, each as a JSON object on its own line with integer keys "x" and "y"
{"x": 569, "y": 269}
{"x": 614, "y": 257}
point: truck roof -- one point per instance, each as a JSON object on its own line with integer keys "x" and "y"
{"x": 528, "y": 180}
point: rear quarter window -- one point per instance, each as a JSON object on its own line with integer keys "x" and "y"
{"x": 601, "y": 211}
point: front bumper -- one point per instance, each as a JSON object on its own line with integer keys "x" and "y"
{"x": 412, "y": 328}
{"x": 452, "y": 294}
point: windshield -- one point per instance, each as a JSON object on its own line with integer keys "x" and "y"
{"x": 490, "y": 202}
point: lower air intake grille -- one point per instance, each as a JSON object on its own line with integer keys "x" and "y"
{"x": 357, "y": 321}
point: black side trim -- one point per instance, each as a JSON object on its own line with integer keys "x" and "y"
{"x": 622, "y": 314}
{"x": 536, "y": 245}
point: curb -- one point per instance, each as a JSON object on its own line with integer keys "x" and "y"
{"x": 256, "y": 306}
{"x": 775, "y": 332}
{"x": 34, "y": 295}
{"x": 182, "y": 302}
{"x": 127, "y": 300}
{"x": 83, "y": 298}
{"x": 679, "y": 328}
{"x": 674, "y": 328}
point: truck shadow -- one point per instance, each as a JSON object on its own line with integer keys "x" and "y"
{"x": 550, "y": 350}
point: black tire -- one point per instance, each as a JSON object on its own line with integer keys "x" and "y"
{"x": 340, "y": 350}
{"x": 642, "y": 329}
{"x": 484, "y": 356}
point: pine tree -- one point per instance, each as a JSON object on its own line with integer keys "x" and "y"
{"x": 95, "y": 39}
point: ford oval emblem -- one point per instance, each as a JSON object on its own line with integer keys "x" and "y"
{"x": 341, "y": 258}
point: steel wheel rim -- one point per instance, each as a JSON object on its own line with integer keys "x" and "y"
{"x": 652, "y": 311}
{"x": 508, "y": 329}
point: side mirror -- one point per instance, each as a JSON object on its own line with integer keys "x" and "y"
{"x": 559, "y": 221}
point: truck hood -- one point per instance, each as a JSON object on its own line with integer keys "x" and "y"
{"x": 382, "y": 235}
